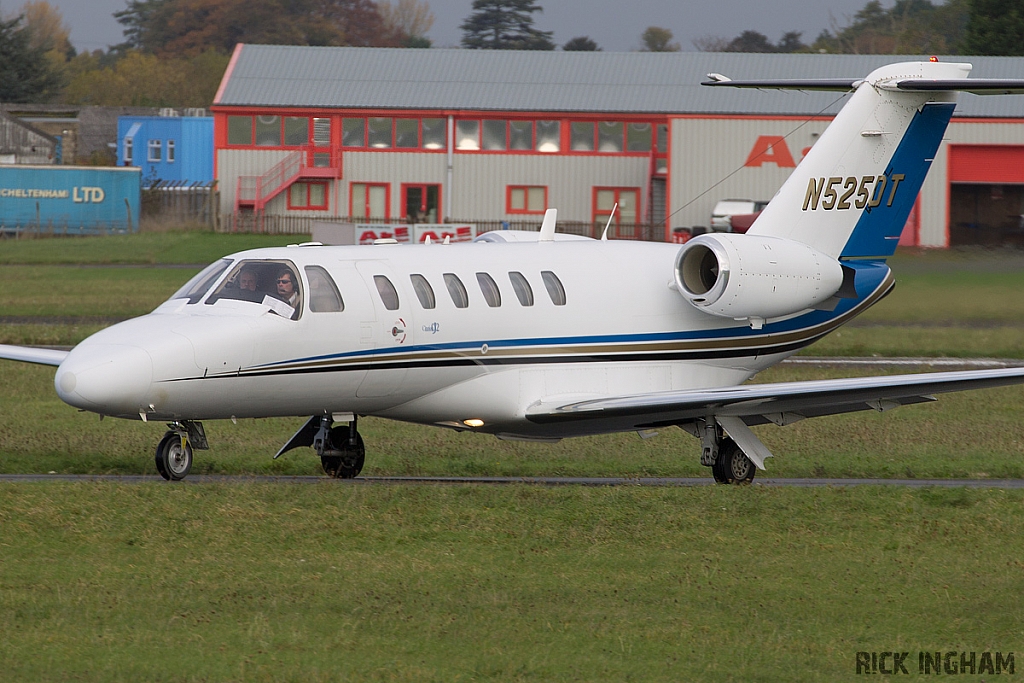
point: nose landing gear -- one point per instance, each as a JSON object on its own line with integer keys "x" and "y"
{"x": 174, "y": 452}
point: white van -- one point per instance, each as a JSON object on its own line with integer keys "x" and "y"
{"x": 727, "y": 208}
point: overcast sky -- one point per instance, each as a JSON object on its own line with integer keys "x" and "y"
{"x": 615, "y": 25}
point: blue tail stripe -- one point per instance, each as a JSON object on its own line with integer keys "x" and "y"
{"x": 878, "y": 231}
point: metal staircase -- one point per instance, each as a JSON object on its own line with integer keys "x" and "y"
{"x": 255, "y": 192}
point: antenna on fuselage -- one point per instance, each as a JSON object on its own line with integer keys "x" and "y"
{"x": 604, "y": 235}
{"x": 547, "y": 228}
{"x": 426, "y": 239}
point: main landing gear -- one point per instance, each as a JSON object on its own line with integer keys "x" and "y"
{"x": 340, "y": 447}
{"x": 343, "y": 455}
{"x": 174, "y": 452}
{"x": 728, "y": 463}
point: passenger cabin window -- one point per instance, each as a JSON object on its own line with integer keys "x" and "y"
{"x": 521, "y": 287}
{"x": 489, "y": 288}
{"x": 424, "y": 292}
{"x": 324, "y": 296}
{"x": 554, "y": 286}
{"x": 387, "y": 291}
{"x": 456, "y": 290}
{"x": 274, "y": 284}
{"x": 194, "y": 289}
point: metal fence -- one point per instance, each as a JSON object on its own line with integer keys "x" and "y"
{"x": 292, "y": 225}
{"x": 194, "y": 202}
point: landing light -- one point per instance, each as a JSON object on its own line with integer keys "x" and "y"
{"x": 474, "y": 422}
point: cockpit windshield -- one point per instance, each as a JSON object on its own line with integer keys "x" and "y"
{"x": 197, "y": 287}
{"x": 271, "y": 283}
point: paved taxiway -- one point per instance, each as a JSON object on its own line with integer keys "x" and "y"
{"x": 506, "y": 481}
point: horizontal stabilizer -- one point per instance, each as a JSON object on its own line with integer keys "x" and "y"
{"x": 835, "y": 84}
{"x": 978, "y": 86}
{"x": 28, "y": 354}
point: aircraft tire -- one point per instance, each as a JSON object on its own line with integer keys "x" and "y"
{"x": 732, "y": 466}
{"x": 172, "y": 461}
{"x": 344, "y": 461}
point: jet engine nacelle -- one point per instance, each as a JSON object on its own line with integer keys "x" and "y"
{"x": 753, "y": 277}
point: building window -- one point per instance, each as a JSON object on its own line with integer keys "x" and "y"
{"x": 239, "y": 130}
{"x": 549, "y": 136}
{"x": 296, "y": 131}
{"x": 128, "y": 151}
{"x": 581, "y": 137}
{"x": 467, "y": 135}
{"x": 527, "y": 199}
{"x": 353, "y": 132}
{"x": 434, "y": 133}
{"x": 605, "y": 198}
{"x": 308, "y": 196}
{"x": 609, "y": 136}
{"x": 155, "y": 150}
{"x": 170, "y": 151}
{"x": 369, "y": 200}
{"x": 520, "y": 135}
{"x": 494, "y": 135}
{"x": 380, "y": 132}
{"x": 407, "y": 133}
{"x": 639, "y": 137}
{"x": 268, "y": 131}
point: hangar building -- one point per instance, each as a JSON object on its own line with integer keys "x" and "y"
{"x": 495, "y": 137}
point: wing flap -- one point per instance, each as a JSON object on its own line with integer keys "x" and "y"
{"x": 28, "y": 354}
{"x": 759, "y": 403}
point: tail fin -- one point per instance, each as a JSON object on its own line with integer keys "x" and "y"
{"x": 851, "y": 195}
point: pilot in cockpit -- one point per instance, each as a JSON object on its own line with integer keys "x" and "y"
{"x": 286, "y": 289}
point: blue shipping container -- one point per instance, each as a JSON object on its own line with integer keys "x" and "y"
{"x": 73, "y": 200}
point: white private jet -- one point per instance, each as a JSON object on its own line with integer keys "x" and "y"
{"x": 540, "y": 336}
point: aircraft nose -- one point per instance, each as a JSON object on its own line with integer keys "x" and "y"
{"x": 113, "y": 379}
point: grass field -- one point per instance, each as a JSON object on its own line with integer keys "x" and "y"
{"x": 335, "y": 582}
{"x": 339, "y": 581}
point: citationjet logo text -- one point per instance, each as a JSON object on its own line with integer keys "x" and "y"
{"x": 936, "y": 663}
{"x": 847, "y": 193}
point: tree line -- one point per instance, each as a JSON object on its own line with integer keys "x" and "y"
{"x": 175, "y": 51}
{"x": 965, "y": 27}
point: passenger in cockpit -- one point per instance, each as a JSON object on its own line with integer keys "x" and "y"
{"x": 247, "y": 281}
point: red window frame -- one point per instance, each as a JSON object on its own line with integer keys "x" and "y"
{"x": 282, "y": 116}
{"x": 603, "y": 217}
{"x": 394, "y": 133}
{"x": 308, "y": 206}
{"x": 526, "y": 189}
{"x": 366, "y": 208}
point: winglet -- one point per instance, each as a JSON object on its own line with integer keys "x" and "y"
{"x": 547, "y": 228}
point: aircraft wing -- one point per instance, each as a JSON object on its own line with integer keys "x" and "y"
{"x": 30, "y": 354}
{"x": 780, "y": 403}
